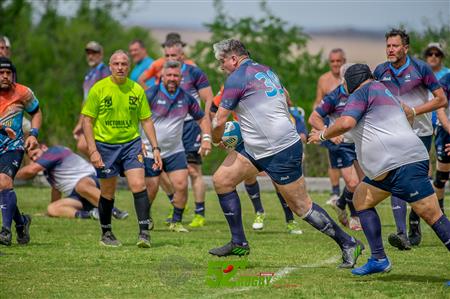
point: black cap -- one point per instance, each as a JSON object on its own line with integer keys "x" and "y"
{"x": 355, "y": 75}
{"x": 5, "y": 63}
{"x": 173, "y": 37}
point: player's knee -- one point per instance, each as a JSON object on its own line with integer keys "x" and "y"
{"x": 52, "y": 210}
{"x": 352, "y": 184}
{"x": 194, "y": 172}
{"x": 180, "y": 185}
{"x": 6, "y": 182}
{"x": 441, "y": 179}
{"x": 221, "y": 183}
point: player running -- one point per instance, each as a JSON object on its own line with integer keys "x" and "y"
{"x": 376, "y": 120}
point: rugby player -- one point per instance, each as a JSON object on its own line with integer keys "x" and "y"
{"x": 15, "y": 98}
{"x": 170, "y": 105}
{"x": 114, "y": 108}
{"x": 377, "y": 120}
{"x": 410, "y": 80}
{"x": 271, "y": 144}
{"x": 141, "y": 61}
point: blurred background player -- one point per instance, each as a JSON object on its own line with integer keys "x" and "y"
{"x": 410, "y": 80}
{"x": 169, "y": 105}
{"x": 327, "y": 83}
{"x": 141, "y": 60}
{"x": 434, "y": 55}
{"x": 14, "y": 100}
{"x": 442, "y": 138}
{"x": 98, "y": 71}
{"x": 5, "y": 47}
{"x": 70, "y": 175}
{"x": 343, "y": 155}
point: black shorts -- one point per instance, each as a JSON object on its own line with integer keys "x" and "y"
{"x": 10, "y": 162}
{"x": 87, "y": 206}
{"x": 193, "y": 158}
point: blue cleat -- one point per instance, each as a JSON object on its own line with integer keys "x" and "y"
{"x": 373, "y": 266}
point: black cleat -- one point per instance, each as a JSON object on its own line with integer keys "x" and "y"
{"x": 143, "y": 239}
{"x": 350, "y": 255}
{"x": 109, "y": 240}
{"x": 414, "y": 235}
{"x": 118, "y": 214}
{"x": 231, "y": 249}
{"x": 5, "y": 236}
{"x": 400, "y": 241}
{"x": 23, "y": 231}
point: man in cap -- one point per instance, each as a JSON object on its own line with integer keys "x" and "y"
{"x": 379, "y": 121}
{"x": 15, "y": 99}
{"x": 98, "y": 70}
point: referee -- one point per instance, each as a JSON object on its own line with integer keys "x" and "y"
{"x": 113, "y": 110}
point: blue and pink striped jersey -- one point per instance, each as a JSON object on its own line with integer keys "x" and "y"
{"x": 445, "y": 83}
{"x": 95, "y": 74}
{"x": 410, "y": 84}
{"x": 63, "y": 168}
{"x": 255, "y": 93}
{"x": 192, "y": 80}
{"x": 383, "y": 136}
{"x": 168, "y": 114}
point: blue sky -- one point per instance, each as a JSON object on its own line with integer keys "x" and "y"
{"x": 319, "y": 14}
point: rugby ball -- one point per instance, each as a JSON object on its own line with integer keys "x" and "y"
{"x": 232, "y": 134}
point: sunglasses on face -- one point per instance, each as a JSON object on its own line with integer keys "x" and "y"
{"x": 435, "y": 54}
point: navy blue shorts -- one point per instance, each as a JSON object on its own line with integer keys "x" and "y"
{"x": 440, "y": 140}
{"x": 119, "y": 158}
{"x": 342, "y": 155}
{"x": 87, "y": 206}
{"x": 10, "y": 162}
{"x": 192, "y": 136}
{"x": 409, "y": 182}
{"x": 427, "y": 141}
{"x": 284, "y": 167}
{"x": 171, "y": 163}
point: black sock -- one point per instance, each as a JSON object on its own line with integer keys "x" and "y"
{"x": 105, "y": 211}
{"x": 18, "y": 219}
{"x": 170, "y": 197}
{"x": 349, "y": 200}
{"x": 336, "y": 190}
{"x": 177, "y": 214}
{"x": 413, "y": 218}
{"x": 255, "y": 197}
{"x": 142, "y": 207}
{"x": 288, "y": 215}
{"x": 441, "y": 205}
{"x": 341, "y": 202}
{"x": 321, "y": 221}
{"x": 200, "y": 208}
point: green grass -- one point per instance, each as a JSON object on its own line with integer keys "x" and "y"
{"x": 65, "y": 260}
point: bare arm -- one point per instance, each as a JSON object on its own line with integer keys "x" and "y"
{"x": 206, "y": 95}
{"x": 218, "y": 124}
{"x": 30, "y": 171}
{"x": 316, "y": 121}
{"x": 149, "y": 130}
{"x": 88, "y": 131}
{"x": 443, "y": 119}
{"x": 205, "y": 126}
{"x": 319, "y": 92}
{"x": 36, "y": 121}
{"x": 438, "y": 101}
{"x": 343, "y": 124}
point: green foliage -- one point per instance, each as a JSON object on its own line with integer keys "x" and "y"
{"x": 49, "y": 54}
{"x": 271, "y": 41}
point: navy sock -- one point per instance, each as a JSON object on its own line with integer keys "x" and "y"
{"x": 200, "y": 208}
{"x": 413, "y": 217}
{"x": 399, "y": 211}
{"x": 177, "y": 214}
{"x": 253, "y": 193}
{"x": 18, "y": 218}
{"x": 348, "y": 197}
{"x": 170, "y": 196}
{"x": 105, "y": 212}
{"x": 288, "y": 215}
{"x": 82, "y": 214}
{"x": 336, "y": 190}
{"x": 8, "y": 202}
{"x": 321, "y": 221}
{"x": 441, "y": 205}
{"x": 370, "y": 222}
{"x": 142, "y": 207}
{"x": 342, "y": 200}
{"x": 231, "y": 207}
{"x": 442, "y": 229}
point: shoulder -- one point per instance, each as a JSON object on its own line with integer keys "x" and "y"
{"x": 380, "y": 69}
{"x": 23, "y": 92}
{"x": 152, "y": 91}
{"x": 421, "y": 65}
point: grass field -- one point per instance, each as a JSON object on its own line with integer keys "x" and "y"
{"x": 64, "y": 259}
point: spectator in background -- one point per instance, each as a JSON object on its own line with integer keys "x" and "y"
{"x": 142, "y": 61}
{"x": 5, "y": 47}
{"x": 98, "y": 71}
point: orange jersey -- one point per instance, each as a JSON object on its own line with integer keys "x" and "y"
{"x": 216, "y": 102}
{"x": 156, "y": 68}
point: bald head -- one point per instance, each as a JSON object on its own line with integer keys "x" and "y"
{"x": 119, "y": 64}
